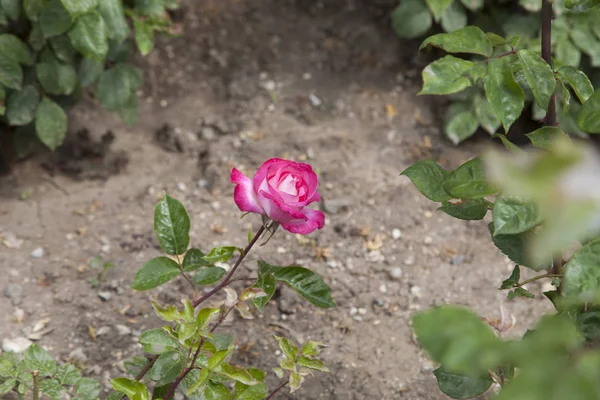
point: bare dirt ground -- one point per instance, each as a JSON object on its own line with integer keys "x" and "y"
{"x": 326, "y": 82}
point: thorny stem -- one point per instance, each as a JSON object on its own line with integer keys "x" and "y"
{"x": 36, "y": 385}
{"x": 550, "y": 119}
{"x": 227, "y": 279}
{"x": 284, "y": 381}
{"x": 144, "y": 370}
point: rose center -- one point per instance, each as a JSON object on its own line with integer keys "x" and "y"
{"x": 289, "y": 185}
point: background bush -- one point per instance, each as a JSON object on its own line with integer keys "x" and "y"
{"x": 575, "y": 42}
{"x": 51, "y": 51}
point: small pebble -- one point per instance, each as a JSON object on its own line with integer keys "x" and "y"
{"x": 281, "y": 250}
{"x": 181, "y": 187}
{"x": 14, "y": 292}
{"x": 37, "y": 253}
{"x": 78, "y": 355}
{"x": 332, "y": 264}
{"x": 396, "y": 234}
{"x": 459, "y": 260}
{"x": 395, "y": 273}
{"x": 105, "y": 296}
{"x": 353, "y": 310}
{"x": 383, "y": 288}
{"x": 164, "y": 103}
{"x": 215, "y": 205}
{"x": 306, "y": 76}
{"x": 428, "y": 214}
{"x": 362, "y": 311}
{"x": 409, "y": 261}
{"x": 17, "y": 345}
{"x": 123, "y": 330}
{"x": 428, "y": 240}
{"x": 415, "y": 291}
{"x": 103, "y": 330}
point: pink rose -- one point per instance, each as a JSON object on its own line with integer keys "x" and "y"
{"x": 281, "y": 190}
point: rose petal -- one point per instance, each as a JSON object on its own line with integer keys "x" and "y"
{"x": 276, "y": 209}
{"x": 315, "y": 219}
{"x": 244, "y": 195}
{"x": 261, "y": 174}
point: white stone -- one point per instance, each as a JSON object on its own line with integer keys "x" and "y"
{"x": 396, "y": 234}
{"x": 37, "y": 253}
{"x": 17, "y": 345}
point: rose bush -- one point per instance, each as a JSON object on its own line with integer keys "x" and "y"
{"x": 281, "y": 190}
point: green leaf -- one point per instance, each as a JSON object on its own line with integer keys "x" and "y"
{"x": 438, "y": 7}
{"x": 116, "y": 85}
{"x": 307, "y": 284}
{"x": 510, "y": 146}
{"x": 172, "y": 225}
{"x": 169, "y": 313}
{"x": 159, "y": 392}
{"x": 470, "y": 40}
{"x": 194, "y": 260}
{"x": 247, "y": 392}
{"x": 312, "y": 348}
{"x": 21, "y": 105}
{"x": 267, "y": 282}
{"x": 36, "y": 358}
{"x": 514, "y": 214}
{"x": 295, "y": 381}
{"x": 461, "y": 386}
{"x": 167, "y": 367}
{"x": 219, "y": 358}
{"x": 220, "y": 254}
{"x": 545, "y": 137}
{"x": 55, "y": 19}
{"x": 454, "y": 18}
{"x": 582, "y": 275}
{"x": 63, "y": 49}
{"x": 539, "y": 76}
{"x": 55, "y": 77}
{"x": 457, "y": 338}
{"x": 461, "y": 125}
{"x": 135, "y": 365}
{"x": 133, "y": 389}
{"x": 51, "y": 388}
{"x": 503, "y": 92}
{"x": 287, "y": 347}
{"x": 411, "y": 19}
{"x": 87, "y": 389}
{"x": 313, "y": 364}
{"x": 11, "y": 74}
{"x": 154, "y": 273}
{"x": 8, "y": 364}
{"x": 446, "y": 76}
{"x": 150, "y": 8}
{"x": 78, "y": 7}
{"x": 12, "y": 8}
{"x": 129, "y": 111}
{"x": 588, "y": 323}
{"x": 531, "y": 5}
{"x": 157, "y": 341}
{"x": 252, "y": 293}
{"x": 485, "y": 114}
{"x": 520, "y": 292}
{"x": 216, "y": 391}
{"x": 588, "y": 118}
{"x": 473, "y": 5}
{"x": 428, "y": 177}
{"x": 513, "y": 280}
{"x": 221, "y": 341}
{"x": 8, "y": 385}
{"x": 469, "y": 210}
{"x": 566, "y": 52}
{"x": 89, "y": 36}
{"x": 114, "y": 17}
{"x": 238, "y": 374}
{"x": 196, "y": 380}
{"x": 50, "y": 123}
{"x": 13, "y": 48}
{"x": 468, "y": 181}
{"x": 209, "y": 275}
{"x": 89, "y": 71}
{"x": 67, "y": 374}
{"x": 144, "y": 36}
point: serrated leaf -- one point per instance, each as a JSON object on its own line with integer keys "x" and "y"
{"x": 287, "y": 347}
{"x": 312, "y": 364}
{"x": 216, "y": 391}
{"x": 55, "y": 19}
{"x": 220, "y": 254}
{"x": 197, "y": 382}
{"x": 454, "y": 18}
{"x": 157, "y": 341}
{"x": 513, "y": 280}
{"x": 461, "y": 386}
{"x": 130, "y": 110}
{"x": 238, "y": 374}
{"x": 539, "y": 76}
{"x": 411, "y": 19}
{"x": 545, "y": 137}
{"x": 67, "y": 374}
{"x": 588, "y": 118}
{"x": 428, "y": 177}
{"x": 457, "y": 338}
{"x": 7, "y": 386}
{"x": 466, "y": 40}
{"x": 194, "y": 260}
{"x": 468, "y": 181}
{"x": 167, "y": 367}
{"x": 578, "y": 81}
{"x": 312, "y": 348}
{"x": 295, "y": 381}
{"x": 510, "y": 146}
{"x": 21, "y": 106}
{"x": 267, "y": 282}
{"x": 219, "y": 358}
{"x": 51, "y": 388}
{"x": 13, "y": 48}
{"x": 206, "y": 316}
{"x": 55, "y": 77}
{"x": 89, "y": 71}
{"x": 473, "y": 5}
{"x": 520, "y": 292}
{"x": 144, "y": 36}
{"x": 461, "y": 125}
{"x": 209, "y": 275}
{"x": 566, "y": 52}
{"x": 154, "y": 273}
{"x": 36, "y": 358}
{"x": 116, "y": 85}
{"x": 582, "y": 276}
{"x": 12, "y": 8}
{"x": 172, "y": 225}
{"x": 503, "y": 92}
{"x": 114, "y": 17}
{"x": 247, "y": 392}
{"x": 63, "y": 49}
{"x": 169, "y": 313}
{"x": 512, "y": 215}
{"x": 89, "y": 36}
{"x": 438, "y": 7}
{"x": 485, "y": 114}
{"x": 50, "y": 123}
{"x": 469, "y": 210}
{"x": 307, "y": 284}
{"x": 8, "y": 364}
{"x": 446, "y": 76}
{"x": 11, "y": 74}
{"x": 133, "y": 389}
{"x": 78, "y": 7}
